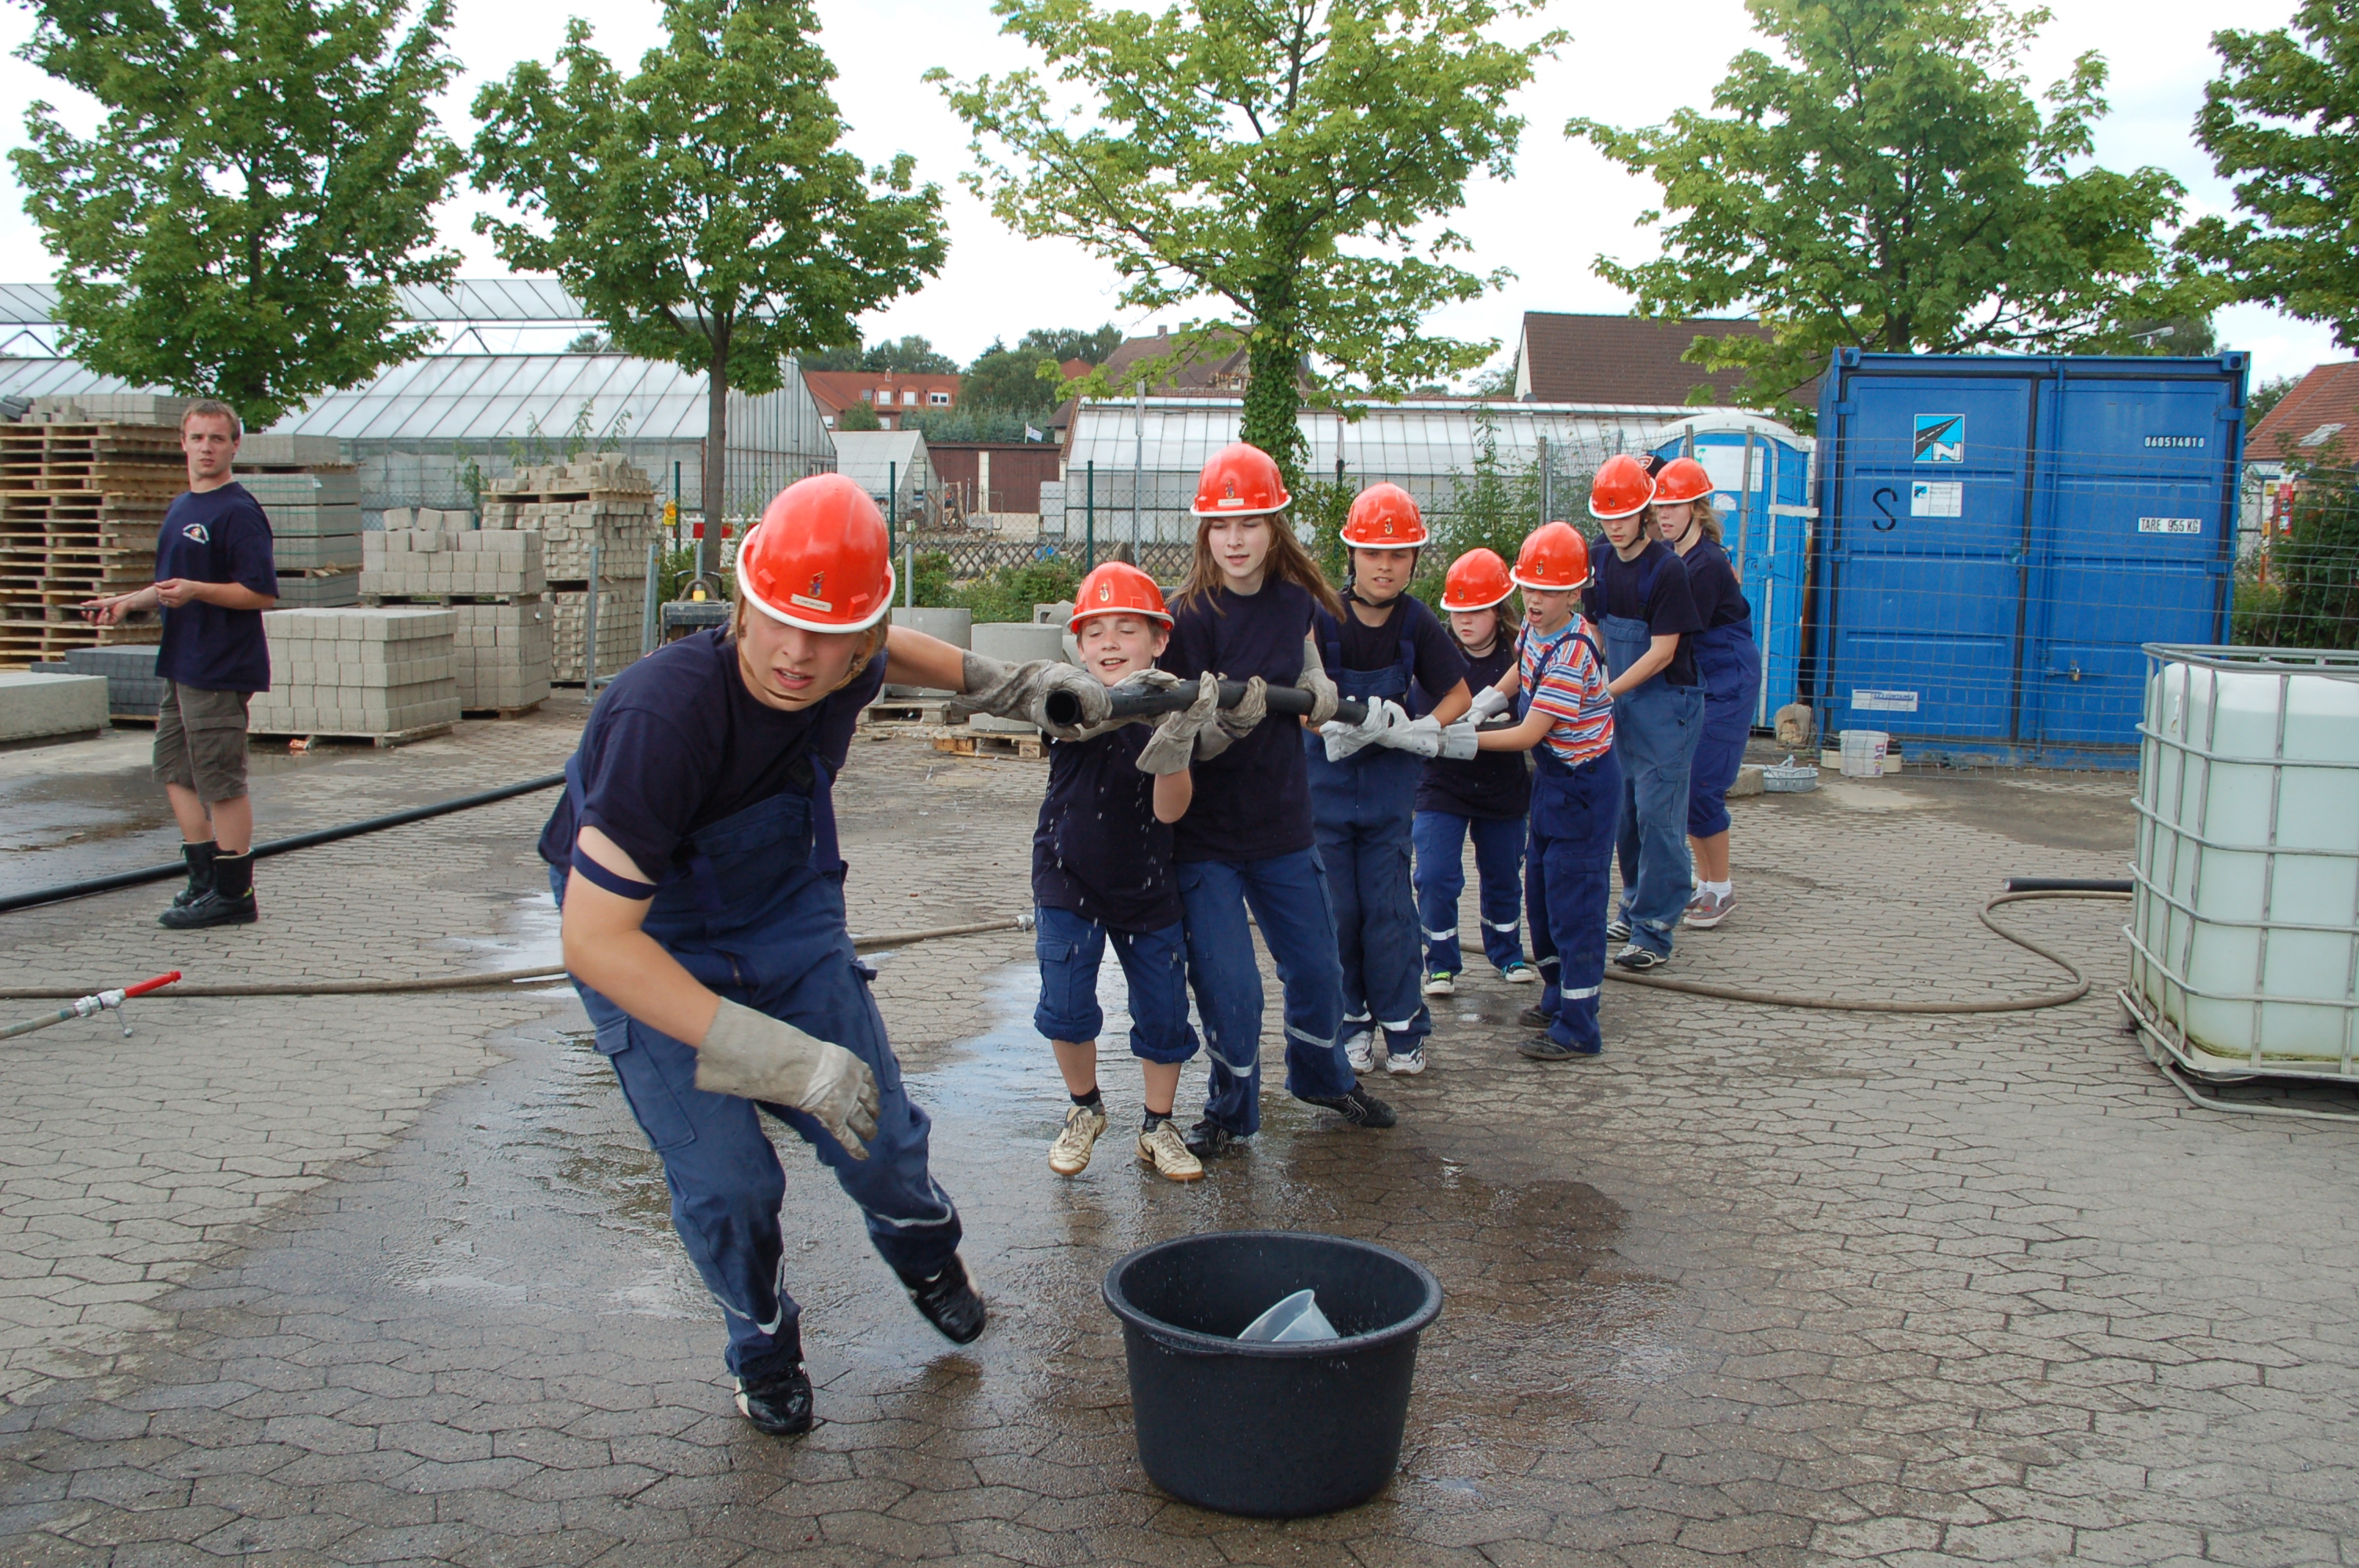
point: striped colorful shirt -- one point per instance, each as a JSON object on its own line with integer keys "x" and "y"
{"x": 1567, "y": 681}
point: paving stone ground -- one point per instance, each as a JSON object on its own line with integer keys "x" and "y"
{"x": 384, "y": 1280}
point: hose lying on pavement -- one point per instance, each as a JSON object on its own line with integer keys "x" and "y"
{"x": 2074, "y": 992}
{"x": 542, "y": 973}
{"x": 277, "y": 847}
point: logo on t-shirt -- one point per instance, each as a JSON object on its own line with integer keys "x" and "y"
{"x": 196, "y": 531}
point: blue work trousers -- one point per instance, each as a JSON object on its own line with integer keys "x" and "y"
{"x": 1360, "y": 812}
{"x": 1574, "y": 810}
{"x": 1070, "y": 947}
{"x": 1729, "y": 664}
{"x": 1288, "y": 895}
{"x": 1442, "y": 877}
{"x": 1655, "y": 727}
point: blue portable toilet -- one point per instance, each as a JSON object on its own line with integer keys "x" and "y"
{"x": 1999, "y": 535}
{"x": 1761, "y": 488}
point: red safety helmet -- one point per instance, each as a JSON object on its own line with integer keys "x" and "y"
{"x": 1682, "y": 479}
{"x": 1117, "y": 588}
{"x": 1621, "y": 489}
{"x": 1477, "y": 581}
{"x": 1242, "y": 481}
{"x": 1554, "y": 557}
{"x": 1384, "y": 517}
{"x": 819, "y": 558}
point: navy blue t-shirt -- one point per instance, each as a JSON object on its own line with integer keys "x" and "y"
{"x": 1439, "y": 664}
{"x": 676, "y": 743}
{"x": 1652, "y": 588}
{"x": 216, "y": 536}
{"x": 1099, "y": 851}
{"x": 1489, "y": 783}
{"x": 1253, "y": 801}
{"x": 1711, "y": 583}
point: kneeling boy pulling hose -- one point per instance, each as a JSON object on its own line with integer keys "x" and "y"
{"x": 694, "y": 857}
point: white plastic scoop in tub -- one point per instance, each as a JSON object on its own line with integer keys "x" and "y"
{"x": 1296, "y": 1318}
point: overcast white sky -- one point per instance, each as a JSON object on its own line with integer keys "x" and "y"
{"x": 1626, "y": 65}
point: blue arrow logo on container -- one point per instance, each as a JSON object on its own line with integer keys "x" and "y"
{"x": 1941, "y": 437}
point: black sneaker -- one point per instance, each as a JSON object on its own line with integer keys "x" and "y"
{"x": 1210, "y": 1140}
{"x": 1359, "y": 1108}
{"x": 1533, "y": 1018}
{"x": 210, "y": 907}
{"x": 1543, "y": 1048}
{"x": 1638, "y": 960}
{"x": 949, "y": 1303}
{"x": 776, "y": 1401}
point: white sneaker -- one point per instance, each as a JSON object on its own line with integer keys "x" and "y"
{"x": 1441, "y": 982}
{"x": 1520, "y": 973}
{"x": 1405, "y": 1064}
{"x": 1617, "y": 929}
{"x": 1360, "y": 1050}
{"x": 1070, "y": 1155}
{"x": 1165, "y": 1152}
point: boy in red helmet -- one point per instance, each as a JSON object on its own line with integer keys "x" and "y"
{"x": 1102, "y": 871}
{"x": 694, "y": 855}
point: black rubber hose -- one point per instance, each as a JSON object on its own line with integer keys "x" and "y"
{"x": 279, "y": 845}
{"x": 2069, "y": 884}
{"x": 1064, "y": 709}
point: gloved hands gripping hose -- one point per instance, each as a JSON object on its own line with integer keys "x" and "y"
{"x": 755, "y": 1057}
{"x": 1232, "y": 724}
{"x": 1489, "y": 703}
{"x": 1315, "y": 681}
{"x": 1021, "y": 691}
{"x": 1345, "y": 740}
{"x": 1148, "y": 681}
{"x": 1419, "y": 737}
{"x": 1173, "y": 744}
{"x": 1458, "y": 743}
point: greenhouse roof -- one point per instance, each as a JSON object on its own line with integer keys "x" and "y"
{"x": 505, "y": 301}
{"x": 486, "y": 398}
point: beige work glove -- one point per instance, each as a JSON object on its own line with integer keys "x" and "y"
{"x": 1021, "y": 691}
{"x": 1173, "y": 745}
{"x": 1314, "y": 679}
{"x": 1137, "y": 681}
{"x": 754, "y": 1056}
{"x": 1242, "y": 720}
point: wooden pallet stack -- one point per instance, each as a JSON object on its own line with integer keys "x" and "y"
{"x": 79, "y": 504}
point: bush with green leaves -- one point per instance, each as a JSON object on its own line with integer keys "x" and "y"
{"x": 1007, "y": 594}
{"x": 2306, "y": 595}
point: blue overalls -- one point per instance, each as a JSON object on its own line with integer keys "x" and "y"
{"x": 1362, "y": 812}
{"x": 1567, "y": 880}
{"x": 1656, "y": 726}
{"x": 759, "y": 919}
{"x": 1728, "y": 665}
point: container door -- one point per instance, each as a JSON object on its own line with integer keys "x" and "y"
{"x": 2130, "y": 548}
{"x": 1925, "y": 555}
{"x": 1770, "y": 550}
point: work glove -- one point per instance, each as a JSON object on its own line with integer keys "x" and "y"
{"x": 1242, "y": 720}
{"x": 1347, "y": 740}
{"x": 1314, "y": 680}
{"x": 1173, "y": 745}
{"x": 1489, "y": 703}
{"x": 1138, "y": 683}
{"x": 754, "y": 1056}
{"x": 1419, "y": 737}
{"x": 1458, "y": 743}
{"x": 1021, "y": 691}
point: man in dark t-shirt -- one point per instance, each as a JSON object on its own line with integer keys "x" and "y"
{"x": 215, "y": 577}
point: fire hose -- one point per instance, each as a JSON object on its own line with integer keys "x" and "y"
{"x": 90, "y": 1006}
{"x": 1063, "y": 708}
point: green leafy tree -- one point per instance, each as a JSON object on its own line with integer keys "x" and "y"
{"x": 1888, "y": 182}
{"x": 1062, "y": 343}
{"x": 703, "y": 208}
{"x": 844, "y": 356}
{"x": 262, "y": 182}
{"x": 908, "y": 356}
{"x": 2265, "y": 396}
{"x": 1286, "y": 159}
{"x": 2305, "y": 591}
{"x": 2281, "y": 122}
{"x": 858, "y": 417}
{"x": 1029, "y": 377}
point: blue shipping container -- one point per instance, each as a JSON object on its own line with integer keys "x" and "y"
{"x": 1998, "y": 536}
{"x": 1761, "y": 488}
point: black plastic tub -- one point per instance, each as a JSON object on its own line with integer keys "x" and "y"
{"x": 1269, "y": 1431}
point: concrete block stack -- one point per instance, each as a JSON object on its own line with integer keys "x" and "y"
{"x": 133, "y": 690}
{"x": 387, "y": 673}
{"x": 312, "y": 497}
{"x": 47, "y": 706}
{"x": 602, "y": 500}
{"x": 429, "y": 562}
{"x": 505, "y": 653}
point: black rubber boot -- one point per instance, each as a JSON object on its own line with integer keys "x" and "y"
{"x": 775, "y": 1393}
{"x": 229, "y": 902}
{"x": 949, "y": 1303}
{"x": 201, "y": 873}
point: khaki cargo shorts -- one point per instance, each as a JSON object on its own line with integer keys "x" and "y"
{"x": 200, "y": 741}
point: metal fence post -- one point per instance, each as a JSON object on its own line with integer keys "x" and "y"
{"x": 1138, "y": 467}
{"x": 589, "y": 631}
{"x": 653, "y": 612}
{"x": 891, "y": 503}
{"x": 1548, "y": 482}
{"x": 1090, "y": 517}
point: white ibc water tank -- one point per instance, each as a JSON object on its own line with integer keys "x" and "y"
{"x": 2245, "y": 930}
